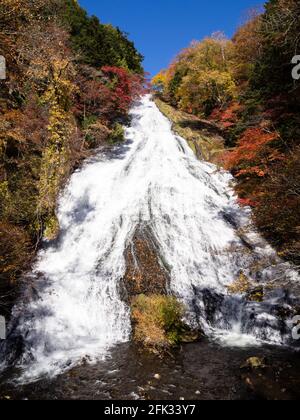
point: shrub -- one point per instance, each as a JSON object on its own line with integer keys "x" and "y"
{"x": 15, "y": 252}
{"x": 158, "y": 321}
{"x": 117, "y": 134}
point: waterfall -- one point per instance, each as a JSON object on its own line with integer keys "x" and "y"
{"x": 74, "y": 311}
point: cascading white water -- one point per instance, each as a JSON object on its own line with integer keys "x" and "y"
{"x": 193, "y": 214}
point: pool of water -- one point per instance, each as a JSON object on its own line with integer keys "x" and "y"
{"x": 199, "y": 371}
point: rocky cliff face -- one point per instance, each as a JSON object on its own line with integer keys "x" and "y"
{"x": 204, "y": 137}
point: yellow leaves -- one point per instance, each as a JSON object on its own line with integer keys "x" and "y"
{"x": 38, "y": 69}
{"x": 56, "y": 125}
{"x": 13, "y": 8}
{"x": 240, "y": 286}
{"x": 160, "y": 80}
{"x": 209, "y": 54}
{"x": 60, "y": 88}
{"x": 213, "y": 87}
{"x": 200, "y": 78}
{"x": 55, "y": 166}
{"x": 55, "y": 161}
{"x": 53, "y": 171}
{"x": 219, "y": 78}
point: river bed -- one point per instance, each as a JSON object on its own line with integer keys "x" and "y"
{"x": 199, "y": 371}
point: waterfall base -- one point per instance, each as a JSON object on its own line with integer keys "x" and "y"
{"x": 199, "y": 371}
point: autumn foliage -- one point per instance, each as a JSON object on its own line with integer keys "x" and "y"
{"x": 125, "y": 87}
{"x": 253, "y": 153}
{"x": 62, "y": 98}
{"x": 244, "y": 85}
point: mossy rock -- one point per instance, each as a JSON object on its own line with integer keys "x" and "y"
{"x": 240, "y": 286}
{"x": 256, "y": 294}
{"x": 254, "y": 363}
{"x": 190, "y": 336}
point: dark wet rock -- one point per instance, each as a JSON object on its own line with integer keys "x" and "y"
{"x": 211, "y": 303}
{"x": 256, "y": 294}
{"x": 145, "y": 273}
{"x": 191, "y": 336}
{"x": 272, "y": 383}
{"x": 264, "y": 319}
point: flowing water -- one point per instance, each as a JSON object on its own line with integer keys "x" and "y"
{"x": 74, "y": 312}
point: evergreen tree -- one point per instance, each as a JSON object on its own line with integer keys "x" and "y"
{"x": 97, "y": 44}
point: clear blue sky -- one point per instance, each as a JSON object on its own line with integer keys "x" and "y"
{"x": 160, "y": 28}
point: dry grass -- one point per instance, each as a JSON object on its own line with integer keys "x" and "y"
{"x": 157, "y": 321}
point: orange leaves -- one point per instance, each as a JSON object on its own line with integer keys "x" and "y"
{"x": 228, "y": 117}
{"x": 24, "y": 127}
{"x": 253, "y": 140}
{"x": 253, "y": 152}
{"x": 256, "y": 170}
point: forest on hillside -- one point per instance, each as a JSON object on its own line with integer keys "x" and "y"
{"x": 246, "y": 85}
{"x": 70, "y": 83}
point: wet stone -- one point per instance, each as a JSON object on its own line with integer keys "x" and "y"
{"x": 145, "y": 273}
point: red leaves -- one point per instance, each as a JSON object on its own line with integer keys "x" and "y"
{"x": 94, "y": 99}
{"x": 252, "y": 161}
{"x": 246, "y": 202}
{"x": 108, "y": 94}
{"x": 125, "y": 87}
{"x": 228, "y": 117}
{"x": 253, "y": 153}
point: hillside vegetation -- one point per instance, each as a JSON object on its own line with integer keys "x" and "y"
{"x": 70, "y": 83}
{"x": 245, "y": 85}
